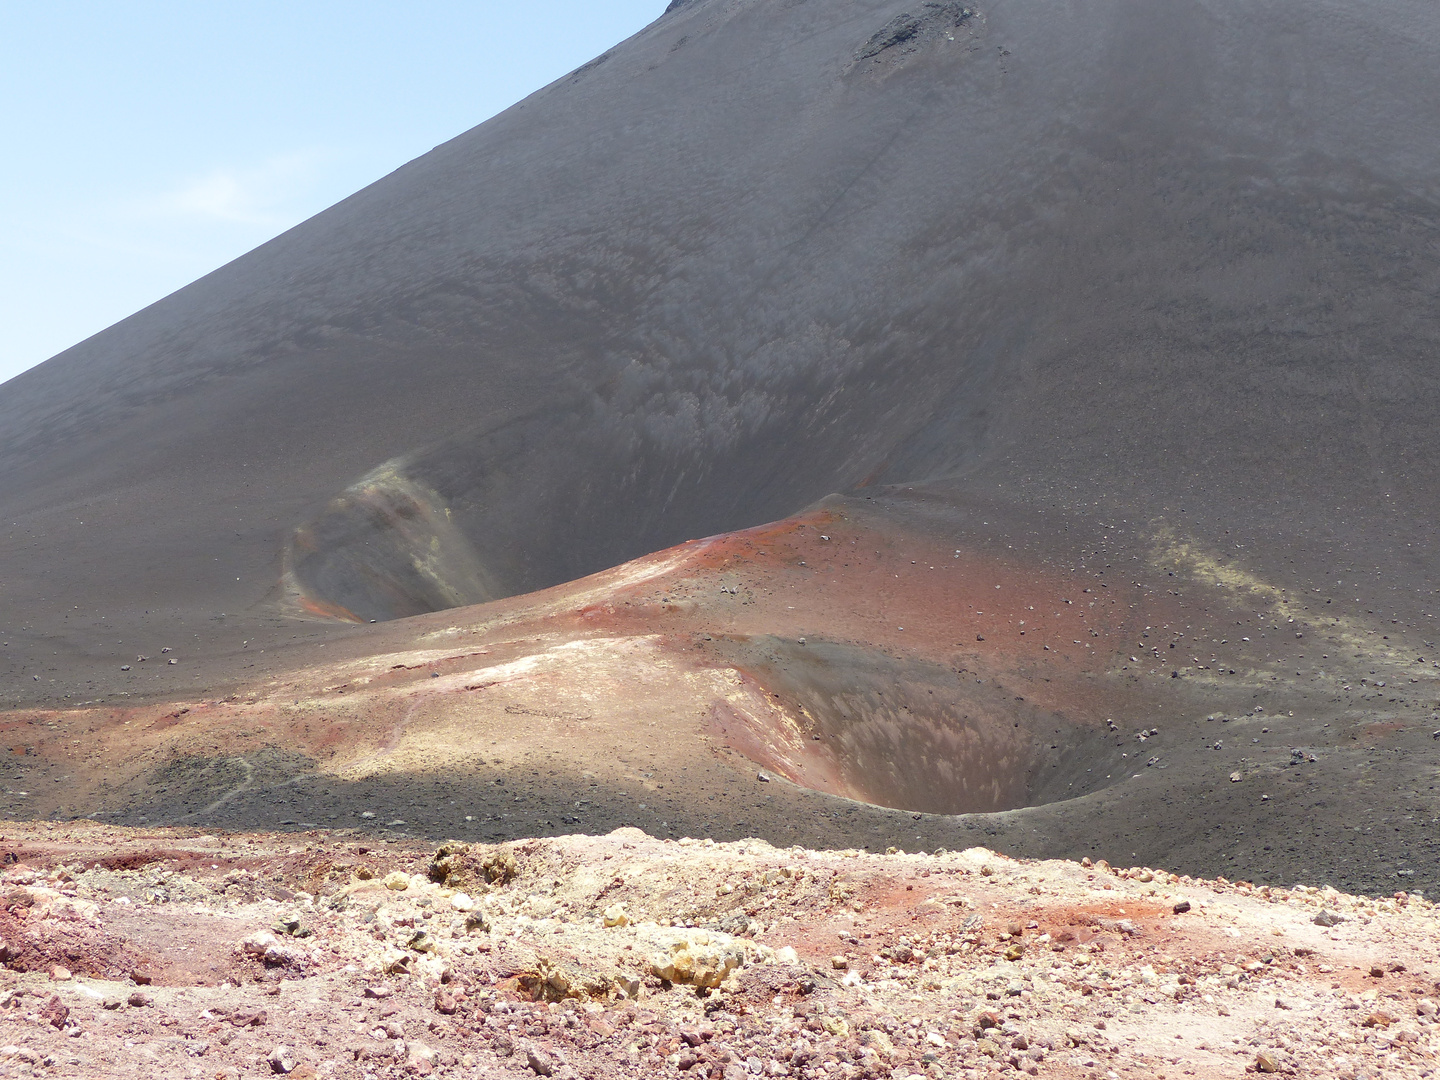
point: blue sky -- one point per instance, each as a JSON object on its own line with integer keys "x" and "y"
{"x": 146, "y": 143}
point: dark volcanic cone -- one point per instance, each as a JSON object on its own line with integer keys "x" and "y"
{"x": 1147, "y": 287}
{"x": 1177, "y": 255}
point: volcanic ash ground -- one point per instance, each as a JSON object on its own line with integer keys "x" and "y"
{"x": 168, "y": 953}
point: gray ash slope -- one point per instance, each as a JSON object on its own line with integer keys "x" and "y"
{"x": 1157, "y": 252}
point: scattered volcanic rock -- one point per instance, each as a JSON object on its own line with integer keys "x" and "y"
{"x": 891, "y": 976}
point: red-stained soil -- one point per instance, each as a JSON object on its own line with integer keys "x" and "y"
{"x": 848, "y": 677}
{"x": 624, "y": 955}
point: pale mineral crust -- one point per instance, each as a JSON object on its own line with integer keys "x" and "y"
{"x": 171, "y": 953}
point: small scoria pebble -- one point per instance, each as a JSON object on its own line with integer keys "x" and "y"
{"x": 1182, "y": 907}
{"x": 282, "y": 1060}
{"x": 55, "y": 1013}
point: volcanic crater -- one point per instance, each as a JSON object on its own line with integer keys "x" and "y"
{"x": 908, "y": 734}
{"x": 1081, "y": 360}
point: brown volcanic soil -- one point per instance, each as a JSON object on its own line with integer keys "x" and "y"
{"x": 779, "y": 682}
{"x": 174, "y": 953}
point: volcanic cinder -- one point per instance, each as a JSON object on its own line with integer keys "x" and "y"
{"x": 852, "y": 423}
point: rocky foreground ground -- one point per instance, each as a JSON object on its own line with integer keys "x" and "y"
{"x": 172, "y": 953}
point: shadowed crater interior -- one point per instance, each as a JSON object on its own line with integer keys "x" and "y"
{"x": 908, "y": 734}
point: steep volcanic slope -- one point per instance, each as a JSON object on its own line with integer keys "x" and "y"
{"x": 1178, "y": 255}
